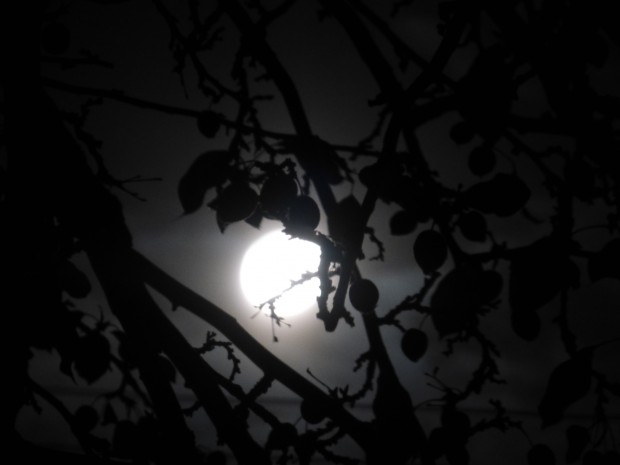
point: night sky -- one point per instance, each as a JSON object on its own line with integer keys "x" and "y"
{"x": 336, "y": 88}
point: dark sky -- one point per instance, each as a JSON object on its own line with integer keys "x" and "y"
{"x": 335, "y": 87}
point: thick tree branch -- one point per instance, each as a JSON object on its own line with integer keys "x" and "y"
{"x": 183, "y": 297}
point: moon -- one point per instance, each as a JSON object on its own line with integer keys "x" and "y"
{"x": 269, "y": 267}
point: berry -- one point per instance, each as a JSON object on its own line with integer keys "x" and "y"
{"x": 430, "y": 250}
{"x": 363, "y": 295}
{"x": 277, "y": 195}
{"x": 303, "y": 215}
{"x": 414, "y": 344}
{"x": 236, "y": 202}
{"x": 208, "y": 123}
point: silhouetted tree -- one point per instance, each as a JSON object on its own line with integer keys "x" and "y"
{"x": 524, "y": 97}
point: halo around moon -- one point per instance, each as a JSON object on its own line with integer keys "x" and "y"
{"x": 272, "y": 264}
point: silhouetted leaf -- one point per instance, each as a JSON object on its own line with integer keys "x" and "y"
{"x": 125, "y": 439}
{"x": 486, "y": 92}
{"x": 277, "y": 194}
{"x": 125, "y": 351}
{"x": 345, "y": 222}
{"x": 568, "y": 382}
{"x": 540, "y": 454}
{"x": 450, "y": 438}
{"x": 255, "y": 219}
{"x": 216, "y": 457}
{"x": 149, "y": 438}
{"x": 393, "y": 184}
{"x": 235, "y": 203}
{"x": 430, "y": 250}
{"x": 592, "y": 457}
{"x": 611, "y": 457}
{"x": 62, "y": 329}
{"x": 370, "y": 176}
{"x": 596, "y": 50}
{"x": 92, "y": 358}
{"x": 455, "y": 300}
{"x": 403, "y": 222}
{"x": 55, "y": 38}
{"x": 606, "y": 262}
{"x": 209, "y": 123}
{"x": 599, "y": 143}
{"x": 110, "y": 2}
{"x": 207, "y": 171}
{"x": 166, "y": 368}
{"x": 473, "y": 226}
{"x": 303, "y": 215}
{"x": 85, "y": 418}
{"x": 281, "y": 436}
{"x": 73, "y": 280}
{"x": 504, "y": 195}
{"x": 457, "y": 455}
{"x": 581, "y": 179}
{"x": 422, "y": 203}
{"x": 320, "y": 156}
{"x": 481, "y": 160}
{"x": 462, "y": 132}
{"x": 456, "y": 424}
{"x": 525, "y": 324}
{"x": 490, "y": 284}
{"x": 577, "y": 438}
{"x": 109, "y": 415}
{"x": 438, "y": 442}
{"x": 537, "y": 273}
{"x": 221, "y": 224}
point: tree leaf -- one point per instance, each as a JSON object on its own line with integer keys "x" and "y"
{"x": 473, "y": 226}
{"x": 606, "y": 262}
{"x": 85, "y": 418}
{"x": 323, "y": 160}
{"x": 93, "y": 357}
{"x": 73, "y": 280}
{"x": 490, "y": 284}
{"x": 481, "y": 160}
{"x": 255, "y": 219}
{"x": 125, "y": 439}
{"x": 486, "y": 92}
{"x": 209, "y": 123}
{"x": 525, "y": 324}
{"x": 303, "y": 216}
{"x": 345, "y": 222}
{"x": 403, "y": 222}
{"x": 504, "y": 195}
{"x": 430, "y": 250}
{"x": 236, "y": 202}
{"x": 277, "y": 194}
{"x": 206, "y": 172}
{"x": 455, "y": 301}
{"x": 109, "y": 415}
{"x": 568, "y": 382}
{"x": 577, "y": 438}
{"x": 537, "y": 273}
{"x": 540, "y": 454}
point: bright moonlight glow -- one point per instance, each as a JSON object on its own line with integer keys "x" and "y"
{"x": 269, "y": 267}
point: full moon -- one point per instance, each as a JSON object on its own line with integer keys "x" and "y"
{"x": 272, "y": 264}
